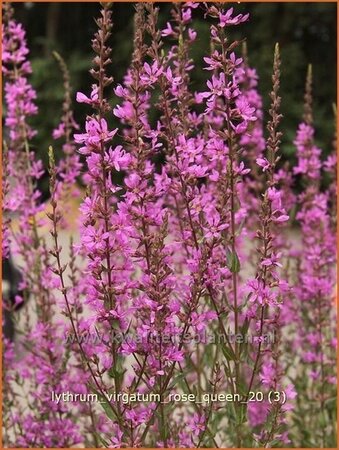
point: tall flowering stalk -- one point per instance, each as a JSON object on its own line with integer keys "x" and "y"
{"x": 43, "y": 365}
{"x": 69, "y": 166}
{"x": 19, "y": 195}
{"x": 252, "y": 143}
{"x": 22, "y": 197}
{"x": 101, "y": 243}
{"x": 147, "y": 218}
{"x": 314, "y": 282}
{"x": 267, "y": 291}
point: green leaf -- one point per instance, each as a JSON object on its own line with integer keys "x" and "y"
{"x": 245, "y": 326}
{"x": 275, "y": 443}
{"x": 243, "y": 331}
{"x": 117, "y": 370}
{"x": 241, "y": 413}
{"x": 232, "y": 261}
{"x": 178, "y": 379}
{"x": 227, "y": 371}
{"x": 331, "y": 403}
{"x": 228, "y": 352}
{"x": 107, "y": 408}
{"x": 101, "y": 439}
{"x": 241, "y": 388}
{"x": 105, "y": 405}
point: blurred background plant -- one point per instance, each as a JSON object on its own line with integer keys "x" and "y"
{"x": 306, "y": 33}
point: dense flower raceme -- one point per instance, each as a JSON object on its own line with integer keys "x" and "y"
{"x": 314, "y": 287}
{"x": 22, "y": 170}
{"x": 40, "y": 362}
{"x": 175, "y": 194}
{"x": 20, "y": 105}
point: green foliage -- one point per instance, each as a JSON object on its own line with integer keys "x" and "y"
{"x": 232, "y": 261}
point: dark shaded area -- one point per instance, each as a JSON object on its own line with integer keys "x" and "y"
{"x": 306, "y": 33}
{"x": 11, "y": 279}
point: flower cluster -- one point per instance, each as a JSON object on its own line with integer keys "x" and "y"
{"x": 39, "y": 363}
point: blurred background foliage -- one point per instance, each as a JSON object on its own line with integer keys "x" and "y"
{"x": 306, "y": 33}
